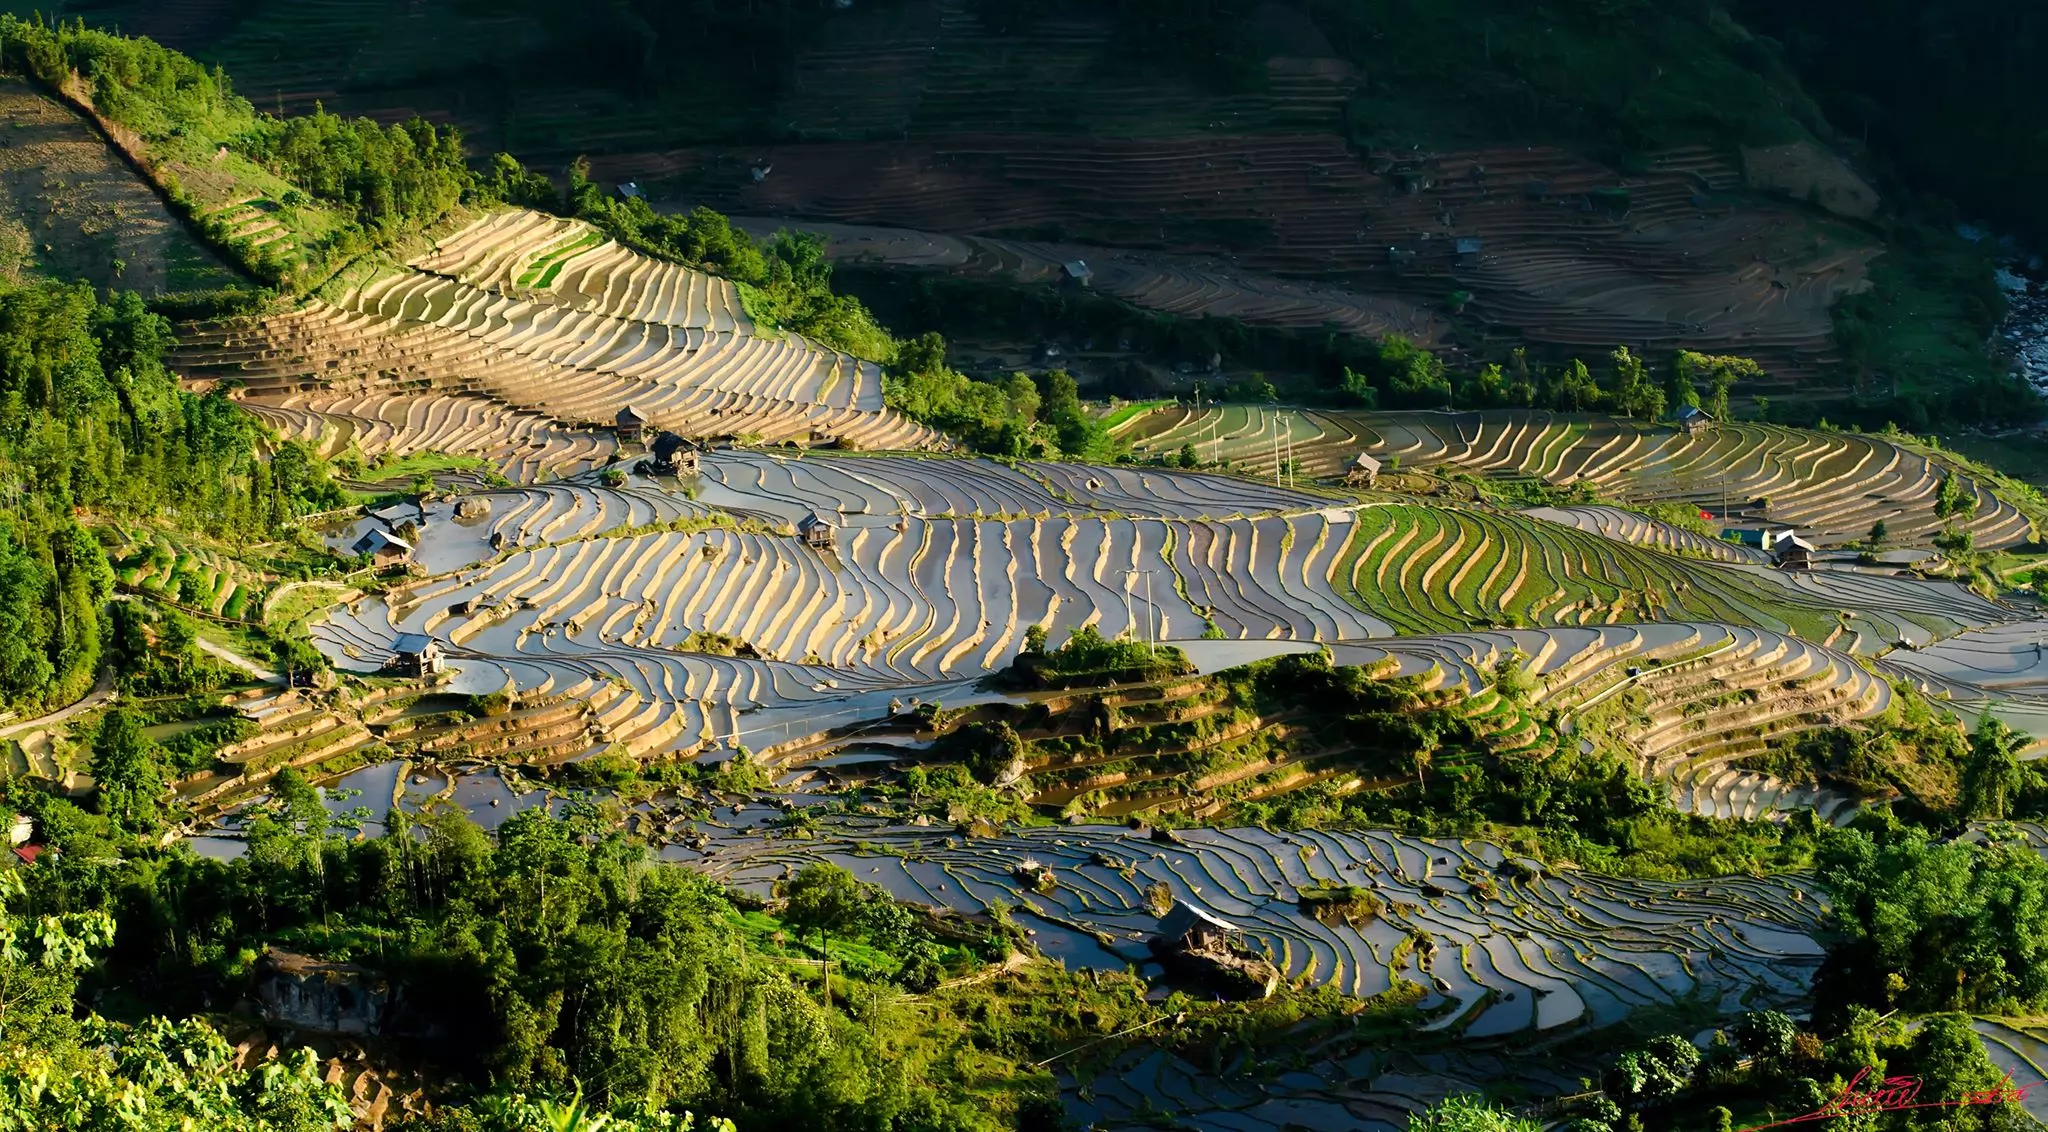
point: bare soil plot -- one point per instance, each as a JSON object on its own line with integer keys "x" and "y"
{"x": 84, "y": 213}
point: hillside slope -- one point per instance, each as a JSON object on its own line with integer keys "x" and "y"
{"x": 1614, "y": 173}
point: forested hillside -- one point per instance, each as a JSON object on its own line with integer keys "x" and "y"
{"x": 1949, "y": 93}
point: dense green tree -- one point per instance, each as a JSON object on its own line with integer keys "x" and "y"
{"x": 1632, "y": 391}
{"x": 126, "y": 769}
{"x": 1935, "y": 926}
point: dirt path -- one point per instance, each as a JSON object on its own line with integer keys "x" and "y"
{"x": 102, "y": 692}
{"x": 236, "y": 660}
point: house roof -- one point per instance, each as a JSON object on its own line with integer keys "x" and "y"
{"x": 399, "y": 512}
{"x": 1693, "y": 413}
{"x": 1185, "y": 918}
{"x": 28, "y": 853}
{"x": 411, "y": 644}
{"x": 1078, "y": 268}
{"x": 1468, "y": 246}
{"x": 1366, "y": 461}
{"x": 629, "y": 414}
{"x": 630, "y": 190}
{"x": 1790, "y": 541}
{"x": 377, "y": 539}
{"x": 814, "y": 519}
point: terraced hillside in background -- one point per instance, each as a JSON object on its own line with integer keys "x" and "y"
{"x": 1332, "y": 165}
{"x": 1832, "y": 486}
{"x": 1672, "y": 265}
{"x": 1186, "y": 287}
{"x": 522, "y": 328}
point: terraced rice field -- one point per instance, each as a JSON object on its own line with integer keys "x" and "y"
{"x": 1831, "y": 486}
{"x": 1998, "y": 669}
{"x": 196, "y": 577}
{"x": 2019, "y": 1047}
{"x": 1687, "y": 701}
{"x": 1515, "y": 950}
{"x": 940, "y": 565}
{"x": 1638, "y": 529}
{"x": 524, "y": 446}
{"x": 540, "y": 315}
{"x": 1432, "y": 569}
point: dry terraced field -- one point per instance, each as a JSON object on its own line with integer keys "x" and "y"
{"x": 1832, "y": 486}
{"x": 519, "y": 314}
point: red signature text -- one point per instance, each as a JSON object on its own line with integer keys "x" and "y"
{"x": 1897, "y": 1094}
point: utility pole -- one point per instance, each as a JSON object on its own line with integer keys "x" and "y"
{"x": 1276, "y": 451}
{"x": 1131, "y": 617}
{"x": 1151, "y": 632}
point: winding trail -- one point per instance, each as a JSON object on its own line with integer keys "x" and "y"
{"x": 102, "y": 693}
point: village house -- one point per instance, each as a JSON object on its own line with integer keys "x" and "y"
{"x": 414, "y": 654}
{"x": 384, "y": 548}
{"x": 1691, "y": 419}
{"x": 673, "y": 456}
{"x": 818, "y": 531}
{"x": 1768, "y": 539}
{"x": 1187, "y": 928}
{"x": 629, "y": 425}
{"x": 1794, "y": 553}
{"x": 1364, "y": 470}
{"x": 399, "y": 516}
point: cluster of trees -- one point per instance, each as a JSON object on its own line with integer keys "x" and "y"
{"x": 1943, "y": 775}
{"x": 1934, "y": 925}
{"x": 550, "y": 953}
{"x": 1036, "y": 415}
{"x": 1405, "y": 375}
{"x": 93, "y": 426}
{"x": 390, "y": 179}
{"x": 1766, "y": 1067}
{"x": 1088, "y": 657}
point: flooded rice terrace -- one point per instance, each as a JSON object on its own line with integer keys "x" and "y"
{"x": 1502, "y": 947}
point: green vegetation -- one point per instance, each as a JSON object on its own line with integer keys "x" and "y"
{"x": 1087, "y": 658}
{"x": 1931, "y": 927}
{"x": 291, "y": 199}
{"x": 93, "y": 426}
{"x": 1914, "y": 342}
{"x": 1430, "y": 569}
{"x": 1023, "y": 415}
{"x": 1765, "y": 1067}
